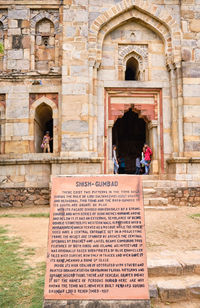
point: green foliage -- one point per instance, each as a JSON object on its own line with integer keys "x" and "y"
{"x": 195, "y": 216}
{"x": 20, "y": 285}
{"x": 1, "y": 48}
{"x": 38, "y": 288}
{"x": 33, "y": 215}
{"x": 14, "y": 272}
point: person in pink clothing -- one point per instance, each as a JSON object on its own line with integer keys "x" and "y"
{"x": 45, "y": 142}
{"x": 147, "y": 158}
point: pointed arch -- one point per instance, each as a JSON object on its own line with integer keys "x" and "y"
{"x": 41, "y": 100}
{"x": 32, "y": 114}
{"x": 44, "y": 15}
{"x": 150, "y": 15}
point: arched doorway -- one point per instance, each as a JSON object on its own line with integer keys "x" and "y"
{"x": 43, "y": 122}
{"x": 129, "y": 134}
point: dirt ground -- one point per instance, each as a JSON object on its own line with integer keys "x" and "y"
{"x": 170, "y": 231}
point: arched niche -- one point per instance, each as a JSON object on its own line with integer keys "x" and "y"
{"x": 44, "y": 45}
{"x": 132, "y": 71}
{"x": 43, "y": 117}
{"x": 45, "y": 42}
{"x": 43, "y": 122}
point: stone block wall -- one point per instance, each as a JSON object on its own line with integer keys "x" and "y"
{"x": 23, "y": 197}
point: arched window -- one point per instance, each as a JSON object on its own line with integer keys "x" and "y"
{"x": 132, "y": 69}
{"x": 44, "y": 45}
{"x": 43, "y": 122}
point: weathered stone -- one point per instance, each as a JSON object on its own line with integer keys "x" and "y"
{"x": 12, "y": 23}
{"x": 5, "y": 204}
{"x": 17, "y": 204}
{"x": 96, "y": 304}
{"x": 18, "y": 14}
{"x": 195, "y": 25}
{"x": 44, "y": 27}
{"x": 15, "y": 54}
{"x": 186, "y": 55}
{"x": 74, "y": 89}
{"x": 41, "y": 202}
{"x": 75, "y": 126}
{"x": 17, "y": 42}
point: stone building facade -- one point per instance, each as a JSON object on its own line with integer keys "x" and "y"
{"x": 95, "y": 73}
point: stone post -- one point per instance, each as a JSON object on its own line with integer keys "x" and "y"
{"x": 174, "y": 108}
{"x": 180, "y": 106}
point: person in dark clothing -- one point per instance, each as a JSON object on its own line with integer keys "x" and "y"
{"x": 121, "y": 165}
{"x": 137, "y": 164}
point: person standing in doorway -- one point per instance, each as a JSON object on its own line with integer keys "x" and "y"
{"x": 45, "y": 142}
{"x": 115, "y": 161}
{"x": 147, "y": 158}
{"x": 137, "y": 165}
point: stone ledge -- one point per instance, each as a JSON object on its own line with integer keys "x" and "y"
{"x": 49, "y": 160}
{"x": 96, "y": 304}
{"x": 179, "y": 160}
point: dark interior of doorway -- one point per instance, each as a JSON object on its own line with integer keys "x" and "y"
{"x": 43, "y": 122}
{"x": 129, "y": 135}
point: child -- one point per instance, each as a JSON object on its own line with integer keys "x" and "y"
{"x": 45, "y": 142}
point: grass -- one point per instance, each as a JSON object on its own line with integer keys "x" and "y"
{"x": 33, "y": 215}
{"x": 20, "y": 285}
{"x": 195, "y": 216}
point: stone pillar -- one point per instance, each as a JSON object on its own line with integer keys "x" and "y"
{"x": 153, "y": 140}
{"x": 109, "y": 147}
{"x": 174, "y": 108}
{"x": 180, "y": 106}
{"x": 76, "y": 111}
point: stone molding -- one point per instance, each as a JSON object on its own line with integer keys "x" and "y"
{"x": 49, "y": 160}
{"x": 4, "y": 21}
{"x": 138, "y": 52}
{"x": 158, "y": 20}
{"x": 180, "y": 160}
{"x": 44, "y": 15}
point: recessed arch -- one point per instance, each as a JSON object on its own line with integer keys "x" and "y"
{"x": 44, "y": 45}
{"x": 150, "y": 15}
{"x": 41, "y": 16}
{"x": 45, "y": 111}
{"x": 43, "y": 121}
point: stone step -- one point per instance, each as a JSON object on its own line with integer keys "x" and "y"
{"x": 155, "y": 201}
{"x": 173, "y": 267}
{"x": 172, "y": 290}
{"x": 185, "y": 304}
{"x": 161, "y": 208}
{"x": 148, "y": 191}
{"x": 154, "y": 184}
